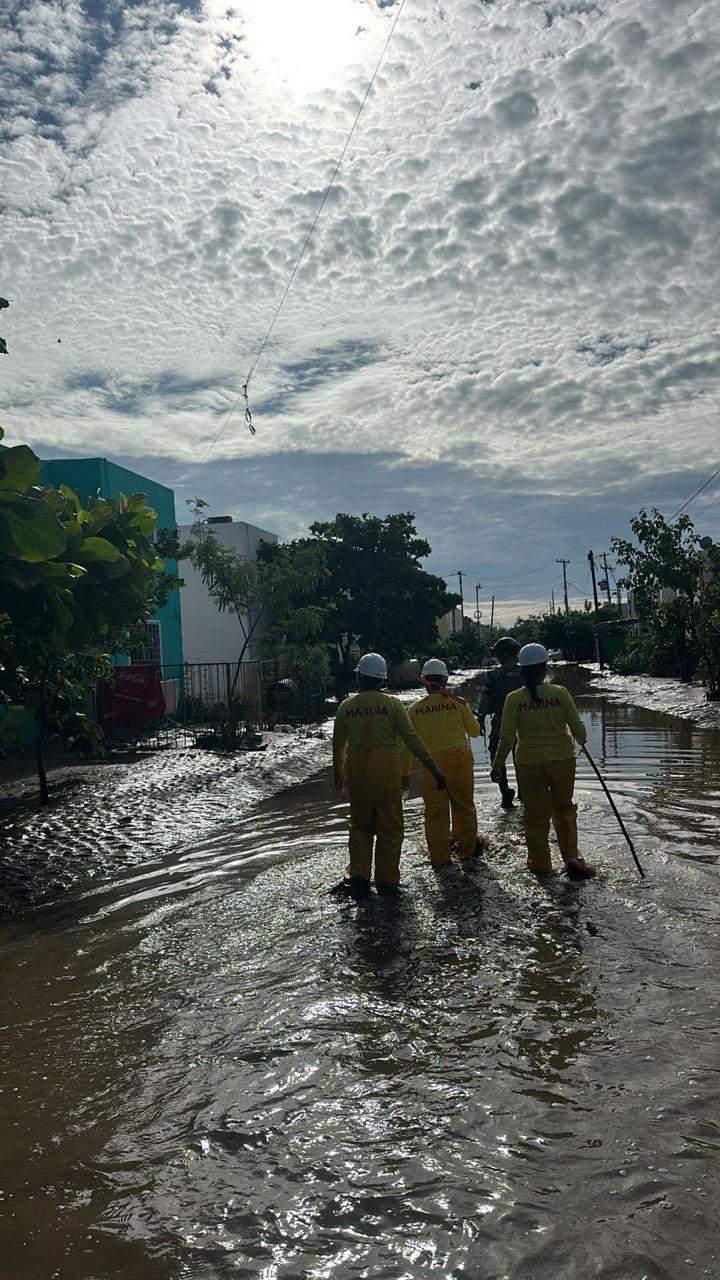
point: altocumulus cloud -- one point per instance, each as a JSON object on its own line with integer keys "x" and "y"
{"x": 515, "y": 278}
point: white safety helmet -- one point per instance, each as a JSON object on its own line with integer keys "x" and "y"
{"x": 531, "y": 655}
{"x": 374, "y": 665}
{"x": 435, "y": 667}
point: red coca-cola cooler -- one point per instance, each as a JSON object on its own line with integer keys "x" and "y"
{"x": 132, "y": 699}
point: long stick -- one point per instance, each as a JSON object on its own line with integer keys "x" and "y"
{"x": 613, "y": 806}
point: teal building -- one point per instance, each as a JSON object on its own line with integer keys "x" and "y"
{"x": 98, "y": 477}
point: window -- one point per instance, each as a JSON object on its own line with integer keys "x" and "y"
{"x": 150, "y": 653}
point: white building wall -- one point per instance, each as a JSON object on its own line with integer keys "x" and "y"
{"x": 209, "y": 635}
{"x": 450, "y": 624}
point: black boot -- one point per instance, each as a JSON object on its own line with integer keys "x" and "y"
{"x": 387, "y": 890}
{"x": 352, "y": 887}
{"x": 508, "y": 795}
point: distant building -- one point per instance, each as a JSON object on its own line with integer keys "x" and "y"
{"x": 450, "y": 623}
{"x": 207, "y": 634}
{"x": 98, "y": 477}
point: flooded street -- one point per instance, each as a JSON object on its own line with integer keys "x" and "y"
{"x": 211, "y": 1070}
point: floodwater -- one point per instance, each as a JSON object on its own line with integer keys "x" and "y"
{"x": 212, "y": 1070}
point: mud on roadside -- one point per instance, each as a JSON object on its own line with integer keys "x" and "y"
{"x": 657, "y": 693}
{"x": 130, "y": 809}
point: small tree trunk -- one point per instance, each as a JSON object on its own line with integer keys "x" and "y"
{"x": 232, "y": 709}
{"x": 40, "y": 749}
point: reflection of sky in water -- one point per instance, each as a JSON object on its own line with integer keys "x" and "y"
{"x": 664, "y": 771}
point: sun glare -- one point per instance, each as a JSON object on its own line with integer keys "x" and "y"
{"x": 302, "y": 44}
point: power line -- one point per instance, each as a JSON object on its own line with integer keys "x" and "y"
{"x": 695, "y": 495}
{"x": 245, "y": 387}
{"x": 529, "y": 573}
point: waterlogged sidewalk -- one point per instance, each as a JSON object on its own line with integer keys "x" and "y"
{"x": 657, "y": 693}
{"x": 111, "y": 814}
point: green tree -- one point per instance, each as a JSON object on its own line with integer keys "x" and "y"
{"x": 74, "y": 583}
{"x": 572, "y": 633}
{"x": 664, "y": 555}
{"x": 296, "y": 582}
{"x": 368, "y": 588}
{"x": 708, "y": 620}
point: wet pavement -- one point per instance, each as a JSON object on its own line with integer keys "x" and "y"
{"x": 212, "y": 1070}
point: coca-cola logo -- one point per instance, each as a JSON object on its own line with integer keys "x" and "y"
{"x": 131, "y": 677}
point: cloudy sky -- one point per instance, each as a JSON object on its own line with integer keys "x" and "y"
{"x": 506, "y": 320}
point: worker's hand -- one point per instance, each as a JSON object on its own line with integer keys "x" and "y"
{"x": 405, "y": 782}
{"x": 440, "y": 782}
{"x": 494, "y": 775}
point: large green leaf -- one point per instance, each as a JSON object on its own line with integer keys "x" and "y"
{"x": 54, "y": 499}
{"x": 19, "y": 469}
{"x": 98, "y": 550}
{"x": 61, "y": 602}
{"x": 144, "y": 521}
{"x": 20, "y": 576}
{"x": 74, "y": 536}
{"x": 60, "y": 571}
{"x": 101, "y": 558}
{"x": 99, "y": 513}
{"x": 72, "y": 498}
{"x": 29, "y": 529}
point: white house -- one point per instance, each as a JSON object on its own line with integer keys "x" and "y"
{"x": 209, "y": 635}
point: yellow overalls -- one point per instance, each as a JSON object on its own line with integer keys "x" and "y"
{"x": 444, "y": 721}
{"x": 371, "y": 728}
{"x": 545, "y": 767}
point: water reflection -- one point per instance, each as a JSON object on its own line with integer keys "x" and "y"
{"x": 216, "y": 1071}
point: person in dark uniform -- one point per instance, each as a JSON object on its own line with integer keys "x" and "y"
{"x": 499, "y": 682}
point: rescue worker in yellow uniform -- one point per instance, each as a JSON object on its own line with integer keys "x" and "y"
{"x": 371, "y": 729}
{"x": 444, "y": 721}
{"x": 540, "y": 720}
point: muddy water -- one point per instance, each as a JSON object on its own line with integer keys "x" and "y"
{"x": 211, "y": 1070}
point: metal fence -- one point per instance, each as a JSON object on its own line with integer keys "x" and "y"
{"x": 212, "y": 703}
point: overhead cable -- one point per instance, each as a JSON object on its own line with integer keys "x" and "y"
{"x": 483, "y": 578}
{"x": 695, "y": 495}
{"x": 244, "y": 392}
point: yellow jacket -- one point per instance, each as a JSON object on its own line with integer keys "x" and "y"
{"x": 442, "y": 720}
{"x": 375, "y": 721}
{"x": 541, "y": 729}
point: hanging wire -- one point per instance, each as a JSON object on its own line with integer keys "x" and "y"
{"x": 483, "y": 578}
{"x": 245, "y": 390}
{"x": 695, "y": 495}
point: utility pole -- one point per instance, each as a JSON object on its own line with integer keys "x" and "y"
{"x": 564, "y": 564}
{"x": 477, "y": 607}
{"x": 607, "y": 579}
{"x": 459, "y": 576}
{"x": 552, "y": 603}
{"x": 492, "y": 617}
{"x": 598, "y": 646}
